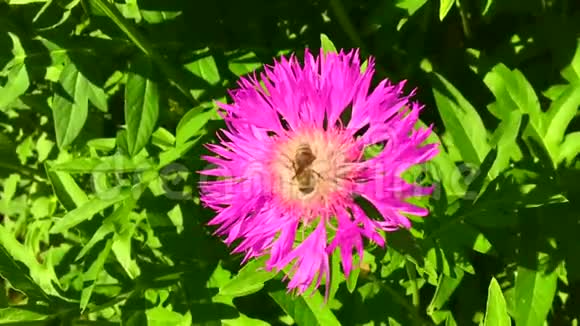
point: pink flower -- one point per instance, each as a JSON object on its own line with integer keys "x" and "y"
{"x": 291, "y": 162}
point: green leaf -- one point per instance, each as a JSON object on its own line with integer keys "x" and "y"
{"x": 66, "y": 189}
{"x": 559, "y": 116}
{"x": 488, "y": 4}
{"x": 18, "y": 277}
{"x": 496, "y": 311}
{"x": 119, "y": 216}
{"x": 91, "y": 275}
{"x": 107, "y": 164}
{"x": 305, "y": 310}
{"x": 461, "y": 121}
{"x": 411, "y": 6}
{"x": 20, "y": 314}
{"x": 70, "y": 110}
{"x": 244, "y": 64}
{"x": 160, "y": 316}
{"x": 572, "y": 72}
{"x": 444, "y": 8}
{"x": 505, "y": 138}
{"x": 90, "y": 208}
{"x": 533, "y": 297}
{"x": 206, "y": 69}
{"x": 42, "y": 274}
{"x": 570, "y": 147}
{"x": 250, "y": 279}
{"x": 445, "y": 288}
{"x": 106, "y": 8}
{"x": 141, "y": 107}
{"x": 16, "y": 85}
{"x": 326, "y": 44}
{"x": 122, "y": 242}
{"x": 191, "y": 124}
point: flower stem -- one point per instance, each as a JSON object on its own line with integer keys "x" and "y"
{"x": 345, "y": 22}
{"x": 412, "y": 274}
{"x": 397, "y": 297}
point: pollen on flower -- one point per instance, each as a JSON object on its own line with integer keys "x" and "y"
{"x": 313, "y": 168}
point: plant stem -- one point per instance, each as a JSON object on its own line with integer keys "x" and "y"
{"x": 412, "y": 274}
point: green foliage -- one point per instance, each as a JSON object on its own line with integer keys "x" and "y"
{"x": 105, "y": 107}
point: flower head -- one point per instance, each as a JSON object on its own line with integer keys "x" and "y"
{"x": 291, "y": 163}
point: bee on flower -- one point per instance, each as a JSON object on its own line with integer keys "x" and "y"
{"x": 290, "y": 164}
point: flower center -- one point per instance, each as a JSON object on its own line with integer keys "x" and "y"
{"x": 313, "y": 168}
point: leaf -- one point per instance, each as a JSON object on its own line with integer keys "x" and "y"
{"x": 444, "y": 8}
{"x": 206, "y": 69}
{"x": 411, "y": 6}
{"x": 192, "y": 124}
{"x": 18, "y": 277}
{"x": 570, "y": 147}
{"x": 533, "y": 297}
{"x": 305, "y": 310}
{"x": 496, "y": 311}
{"x": 461, "y": 120}
{"x": 108, "y": 226}
{"x": 244, "y": 64}
{"x": 250, "y": 279}
{"x": 445, "y": 288}
{"x": 66, "y": 189}
{"x": 326, "y": 44}
{"x": 43, "y": 275}
{"x": 21, "y": 314}
{"x": 122, "y": 242}
{"x": 488, "y": 4}
{"x": 141, "y": 107}
{"x": 90, "y": 208}
{"x": 505, "y": 138}
{"x": 92, "y": 274}
{"x": 572, "y": 72}
{"x": 559, "y": 116}
{"x": 16, "y": 85}
{"x": 160, "y": 316}
{"x": 106, "y": 164}
{"x": 70, "y": 110}
{"x": 106, "y": 8}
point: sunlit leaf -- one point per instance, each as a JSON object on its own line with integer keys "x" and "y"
{"x": 141, "y": 107}
{"x": 496, "y": 311}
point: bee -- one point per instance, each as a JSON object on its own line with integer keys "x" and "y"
{"x": 302, "y": 166}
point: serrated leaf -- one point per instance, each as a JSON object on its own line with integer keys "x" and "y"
{"x": 444, "y": 8}
{"x": 326, "y": 44}
{"x": 461, "y": 120}
{"x": 141, "y": 107}
{"x": 250, "y": 279}
{"x": 533, "y": 297}
{"x": 496, "y": 311}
